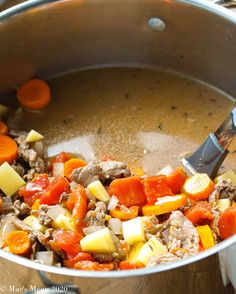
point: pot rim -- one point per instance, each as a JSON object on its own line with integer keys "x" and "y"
{"x": 205, "y": 5}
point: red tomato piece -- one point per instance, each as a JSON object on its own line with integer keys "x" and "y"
{"x": 93, "y": 266}
{"x": 129, "y": 265}
{"x": 79, "y": 257}
{"x": 34, "y": 188}
{"x": 155, "y": 187}
{"x": 227, "y": 223}
{"x": 200, "y": 213}
{"x": 129, "y": 191}
{"x": 68, "y": 241}
{"x": 54, "y": 190}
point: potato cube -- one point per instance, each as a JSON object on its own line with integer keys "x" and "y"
{"x": 10, "y": 181}
{"x": 133, "y": 230}
{"x": 34, "y": 136}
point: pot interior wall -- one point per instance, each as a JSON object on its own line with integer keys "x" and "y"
{"x": 69, "y": 35}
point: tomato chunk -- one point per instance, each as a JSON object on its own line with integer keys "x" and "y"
{"x": 93, "y": 266}
{"x": 79, "y": 257}
{"x": 200, "y": 213}
{"x": 227, "y": 223}
{"x": 129, "y": 191}
{"x": 129, "y": 265}
{"x": 34, "y": 188}
{"x": 155, "y": 187}
{"x": 54, "y": 190}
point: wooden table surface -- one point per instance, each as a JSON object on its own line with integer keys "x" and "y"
{"x": 209, "y": 273}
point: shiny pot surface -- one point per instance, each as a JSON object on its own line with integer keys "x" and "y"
{"x": 48, "y": 38}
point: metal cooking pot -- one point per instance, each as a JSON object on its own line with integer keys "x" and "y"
{"x": 46, "y": 38}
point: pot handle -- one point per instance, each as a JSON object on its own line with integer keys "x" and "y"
{"x": 54, "y": 288}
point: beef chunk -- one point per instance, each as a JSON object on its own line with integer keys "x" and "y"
{"x": 103, "y": 257}
{"x": 43, "y": 216}
{"x": 105, "y": 172}
{"x": 223, "y": 189}
{"x": 96, "y": 217}
{"x": 21, "y": 209}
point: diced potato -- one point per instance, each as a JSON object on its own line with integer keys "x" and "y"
{"x": 99, "y": 241}
{"x": 222, "y": 204}
{"x": 152, "y": 248}
{"x": 3, "y": 109}
{"x": 97, "y": 189}
{"x": 33, "y": 222}
{"x": 34, "y": 136}
{"x": 135, "y": 251}
{"x": 227, "y": 175}
{"x": 10, "y": 181}
{"x": 64, "y": 222}
{"x": 133, "y": 230}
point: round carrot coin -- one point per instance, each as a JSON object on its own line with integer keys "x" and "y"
{"x": 8, "y": 149}
{"x": 34, "y": 94}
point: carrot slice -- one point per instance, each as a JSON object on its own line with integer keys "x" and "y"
{"x": 19, "y": 242}
{"x": 165, "y": 204}
{"x": 129, "y": 265}
{"x": 34, "y": 94}
{"x": 8, "y": 149}
{"x": 200, "y": 213}
{"x": 72, "y": 164}
{"x": 3, "y": 128}
{"x": 132, "y": 212}
{"x": 198, "y": 187}
{"x": 36, "y": 204}
{"x": 206, "y": 237}
{"x": 227, "y": 223}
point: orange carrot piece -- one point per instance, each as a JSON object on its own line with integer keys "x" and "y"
{"x": 19, "y": 242}
{"x": 34, "y": 94}
{"x": 129, "y": 265}
{"x": 36, "y": 204}
{"x": 176, "y": 179}
{"x": 198, "y": 187}
{"x": 132, "y": 212}
{"x": 227, "y": 223}
{"x": 93, "y": 266}
{"x": 3, "y": 128}
{"x": 8, "y": 149}
{"x": 72, "y": 164}
{"x": 165, "y": 204}
{"x": 200, "y": 213}
{"x": 129, "y": 191}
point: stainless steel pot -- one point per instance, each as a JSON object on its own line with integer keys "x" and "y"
{"x": 46, "y": 38}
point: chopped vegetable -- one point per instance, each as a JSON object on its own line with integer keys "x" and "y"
{"x": 34, "y": 188}
{"x": 81, "y": 256}
{"x": 68, "y": 241}
{"x": 175, "y": 177}
{"x": 133, "y": 230}
{"x": 97, "y": 189}
{"x": 129, "y": 265}
{"x": 58, "y": 169}
{"x": 34, "y": 136}
{"x": 155, "y": 187}
{"x": 112, "y": 203}
{"x": 100, "y": 241}
{"x": 200, "y": 213}
{"x": 129, "y": 191}
{"x": 33, "y": 222}
{"x": 72, "y": 164}
{"x": 63, "y": 157}
{"x": 223, "y": 204}
{"x": 134, "y": 251}
{"x": 227, "y": 223}
{"x": 116, "y": 226}
{"x": 206, "y": 236}
{"x": 53, "y": 192}
{"x": 8, "y": 149}
{"x": 198, "y": 187}
{"x": 93, "y": 266}
{"x": 46, "y": 257}
{"x": 152, "y": 248}
{"x": 125, "y": 214}
{"x": 10, "y": 180}
{"x": 64, "y": 222}
{"x": 165, "y": 204}
{"x": 7, "y": 228}
{"x": 19, "y": 242}
{"x": 3, "y": 128}
{"x": 56, "y": 210}
{"x": 36, "y": 204}
{"x": 227, "y": 175}
{"x": 34, "y": 94}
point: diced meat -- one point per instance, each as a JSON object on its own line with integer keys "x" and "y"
{"x": 181, "y": 233}
{"x": 150, "y": 224}
{"x": 43, "y": 216}
{"x": 223, "y": 189}
{"x": 103, "y": 257}
{"x": 105, "y": 172}
{"x": 112, "y": 170}
{"x": 33, "y": 154}
{"x": 162, "y": 259}
{"x": 21, "y": 209}
{"x": 19, "y": 168}
{"x": 96, "y": 217}
{"x": 19, "y": 224}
